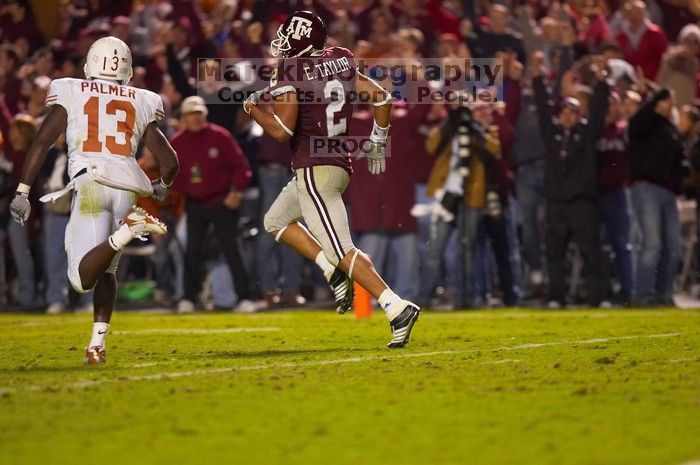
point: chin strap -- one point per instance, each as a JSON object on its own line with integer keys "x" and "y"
{"x": 352, "y": 262}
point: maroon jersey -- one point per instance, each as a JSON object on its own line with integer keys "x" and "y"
{"x": 613, "y": 159}
{"x": 325, "y": 87}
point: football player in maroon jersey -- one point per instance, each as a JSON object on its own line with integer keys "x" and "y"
{"x": 311, "y": 93}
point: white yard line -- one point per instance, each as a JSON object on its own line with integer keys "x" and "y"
{"x": 583, "y": 313}
{"x": 505, "y": 360}
{"x": 26, "y": 324}
{"x": 197, "y": 330}
{"x": 317, "y": 363}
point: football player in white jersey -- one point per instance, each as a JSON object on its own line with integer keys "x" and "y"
{"x": 104, "y": 120}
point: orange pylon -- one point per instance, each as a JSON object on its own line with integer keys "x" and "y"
{"x": 362, "y": 306}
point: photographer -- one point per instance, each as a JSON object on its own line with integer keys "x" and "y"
{"x": 458, "y": 183}
{"x": 570, "y": 187}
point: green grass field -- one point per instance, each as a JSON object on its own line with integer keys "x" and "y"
{"x": 486, "y": 387}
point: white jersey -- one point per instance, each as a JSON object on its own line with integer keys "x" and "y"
{"x": 105, "y": 119}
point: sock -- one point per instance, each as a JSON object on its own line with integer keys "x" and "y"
{"x": 325, "y": 265}
{"x": 99, "y": 332}
{"x": 387, "y": 301}
{"x": 120, "y": 238}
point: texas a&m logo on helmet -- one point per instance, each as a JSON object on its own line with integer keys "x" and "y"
{"x": 301, "y": 33}
{"x": 299, "y": 27}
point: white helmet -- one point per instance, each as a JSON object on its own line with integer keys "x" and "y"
{"x": 110, "y": 59}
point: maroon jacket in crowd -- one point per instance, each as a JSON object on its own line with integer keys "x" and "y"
{"x": 442, "y": 19}
{"x": 613, "y": 158}
{"x": 211, "y": 164}
{"x": 383, "y": 203}
{"x": 648, "y": 53}
{"x": 17, "y": 157}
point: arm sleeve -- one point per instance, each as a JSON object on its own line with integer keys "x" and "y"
{"x": 695, "y": 155}
{"x": 60, "y": 93}
{"x": 491, "y": 149}
{"x": 527, "y": 27}
{"x": 641, "y": 122}
{"x": 432, "y": 141}
{"x": 240, "y": 168}
{"x": 513, "y": 100}
{"x": 5, "y": 119}
{"x": 597, "y": 112}
{"x": 178, "y": 74}
{"x": 156, "y": 108}
{"x": 544, "y": 111}
{"x": 566, "y": 60}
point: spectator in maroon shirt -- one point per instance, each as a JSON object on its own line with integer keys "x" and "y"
{"x": 213, "y": 174}
{"x": 613, "y": 194}
{"x": 642, "y": 42}
{"x": 592, "y": 26}
{"x": 381, "y": 205}
{"x": 442, "y": 19}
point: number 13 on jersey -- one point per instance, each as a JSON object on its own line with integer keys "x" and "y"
{"x": 125, "y": 126}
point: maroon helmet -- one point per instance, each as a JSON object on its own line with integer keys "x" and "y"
{"x": 301, "y": 33}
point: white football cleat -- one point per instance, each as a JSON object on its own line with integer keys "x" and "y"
{"x": 55, "y": 308}
{"x": 142, "y": 224}
{"x": 96, "y": 355}
{"x": 248, "y": 306}
{"x": 185, "y": 306}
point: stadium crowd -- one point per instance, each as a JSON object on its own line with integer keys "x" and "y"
{"x": 572, "y": 176}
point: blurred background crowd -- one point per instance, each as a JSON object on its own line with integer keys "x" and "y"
{"x": 578, "y": 187}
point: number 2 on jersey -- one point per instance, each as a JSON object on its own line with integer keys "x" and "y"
{"x": 334, "y": 107}
{"x": 125, "y": 126}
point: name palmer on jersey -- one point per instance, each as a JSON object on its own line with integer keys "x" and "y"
{"x": 105, "y": 119}
{"x": 107, "y": 88}
{"x": 327, "y": 68}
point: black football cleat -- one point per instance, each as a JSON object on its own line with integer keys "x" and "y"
{"x": 402, "y": 325}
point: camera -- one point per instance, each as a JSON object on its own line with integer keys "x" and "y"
{"x": 463, "y": 134}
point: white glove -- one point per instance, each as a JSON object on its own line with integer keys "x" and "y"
{"x": 160, "y": 190}
{"x": 253, "y": 98}
{"x": 374, "y": 149}
{"x": 20, "y": 208}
